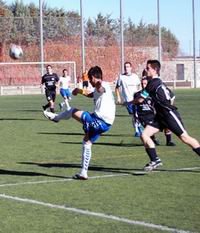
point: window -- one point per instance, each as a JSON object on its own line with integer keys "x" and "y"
{"x": 180, "y": 72}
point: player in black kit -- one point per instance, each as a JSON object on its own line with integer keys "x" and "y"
{"x": 145, "y": 111}
{"x": 167, "y": 116}
{"x": 50, "y": 80}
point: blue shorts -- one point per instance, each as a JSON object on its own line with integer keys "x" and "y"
{"x": 130, "y": 108}
{"x": 65, "y": 93}
{"x": 93, "y": 126}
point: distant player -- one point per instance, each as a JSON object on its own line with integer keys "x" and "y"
{"x": 50, "y": 81}
{"x": 167, "y": 116}
{"x": 94, "y": 124}
{"x": 128, "y": 83}
{"x": 64, "y": 84}
{"x": 85, "y": 79}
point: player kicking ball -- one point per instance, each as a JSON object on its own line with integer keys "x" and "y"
{"x": 94, "y": 124}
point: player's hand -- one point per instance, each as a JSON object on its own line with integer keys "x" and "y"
{"x": 76, "y": 91}
{"x": 118, "y": 102}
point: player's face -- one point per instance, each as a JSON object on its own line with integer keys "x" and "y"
{"x": 49, "y": 69}
{"x": 65, "y": 73}
{"x": 93, "y": 81}
{"x": 150, "y": 71}
{"x": 128, "y": 68}
{"x": 144, "y": 83}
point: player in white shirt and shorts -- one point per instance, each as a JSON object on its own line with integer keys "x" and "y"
{"x": 129, "y": 83}
{"x": 64, "y": 84}
{"x": 94, "y": 124}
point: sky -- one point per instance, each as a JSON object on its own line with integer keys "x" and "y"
{"x": 175, "y": 15}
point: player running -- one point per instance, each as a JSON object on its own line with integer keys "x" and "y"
{"x": 167, "y": 116}
{"x": 49, "y": 81}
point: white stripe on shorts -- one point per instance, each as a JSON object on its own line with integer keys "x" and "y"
{"x": 178, "y": 121}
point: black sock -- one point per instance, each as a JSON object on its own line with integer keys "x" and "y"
{"x": 47, "y": 106}
{"x": 197, "y": 150}
{"x": 52, "y": 110}
{"x": 151, "y": 153}
{"x": 168, "y": 138}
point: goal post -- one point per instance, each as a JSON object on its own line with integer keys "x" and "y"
{"x": 24, "y": 74}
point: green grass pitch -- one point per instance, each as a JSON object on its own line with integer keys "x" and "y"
{"x": 39, "y": 157}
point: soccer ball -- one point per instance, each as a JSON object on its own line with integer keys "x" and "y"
{"x": 15, "y": 51}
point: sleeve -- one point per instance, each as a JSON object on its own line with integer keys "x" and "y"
{"x": 144, "y": 94}
{"x": 56, "y": 77}
{"x": 42, "y": 80}
{"x": 118, "y": 84}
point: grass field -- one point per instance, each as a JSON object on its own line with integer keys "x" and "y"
{"x": 38, "y": 159}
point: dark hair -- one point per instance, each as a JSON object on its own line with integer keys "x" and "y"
{"x": 95, "y": 72}
{"x": 48, "y": 66}
{"x": 127, "y": 62}
{"x": 144, "y": 73}
{"x": 155, "y": 64}
{"x": 64, "y": 71}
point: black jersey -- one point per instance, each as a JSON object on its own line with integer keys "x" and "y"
{"x": 50, "y": 81}
{"x": 146, "y": 107}
{"x": 160, "y": 94}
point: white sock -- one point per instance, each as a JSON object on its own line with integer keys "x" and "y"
{"x": 86, "y": 156}
{"x": 67, "y": 104}
{"x": 64, "y": 115}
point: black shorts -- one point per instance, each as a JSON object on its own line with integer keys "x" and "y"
{"x": 50, "y": 95}
{"x": 85, "y": 83}
{"x": 150, "y": 119}
{"x": 172, "y": 121}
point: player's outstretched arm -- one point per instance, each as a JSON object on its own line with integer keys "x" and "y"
{"x": 84, "y": 92}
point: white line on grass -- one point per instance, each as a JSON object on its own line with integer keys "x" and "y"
{"x": 93, "y": 177}
{"x": 59, "y": 180}
{"x": 96, "y": 214}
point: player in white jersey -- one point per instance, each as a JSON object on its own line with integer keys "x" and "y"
{"x": 64, "y": 84}
{"x": 94, "y": 124}
{"x": 130, "y": 84}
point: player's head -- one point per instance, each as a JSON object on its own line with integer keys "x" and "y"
{"x": 145, "y": 75}
{"x": 65, "y": 72}
{"x": 127, "y": 67}
{"x": 144, "y": 82}
{"x": 95, "y": 75}
{"x": 49, "y": 69}
{"x": 153, "y": 67}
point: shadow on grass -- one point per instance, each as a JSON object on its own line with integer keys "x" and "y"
{"x": 132, "y": 171}
{"x": 120, "y": 144}
{"x": 82, "y": 134}
{"x": 19, "y": 119}
{"x": 29, "y": 110}
{"x": 25, "y": 173}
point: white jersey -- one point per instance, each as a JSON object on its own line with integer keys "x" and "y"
{"x": 130, "y": 85}
{"x": 65, "y": 82}
{"x": 104, "y": 104}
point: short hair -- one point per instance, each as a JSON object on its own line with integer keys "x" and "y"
{"x": 96, "y": 72}
{"x": 127, "y": 62}
{"x": 155, "y": 64}
{"x": 48, "y": 66}
{"x": 144, "y": 73}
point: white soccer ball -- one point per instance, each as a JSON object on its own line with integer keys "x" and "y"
{"x": 16, "y": 51}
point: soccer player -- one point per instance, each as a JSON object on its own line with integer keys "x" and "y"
{"x": 64, "y": 84}
{"x": 145, "y": 111}
{"x": 94, "y": 124}
{"x": 129, "y": 83}
{"x": 50, "y": 81}
{"x": 85, "y": 79}
{"x": 167, "y": 116}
